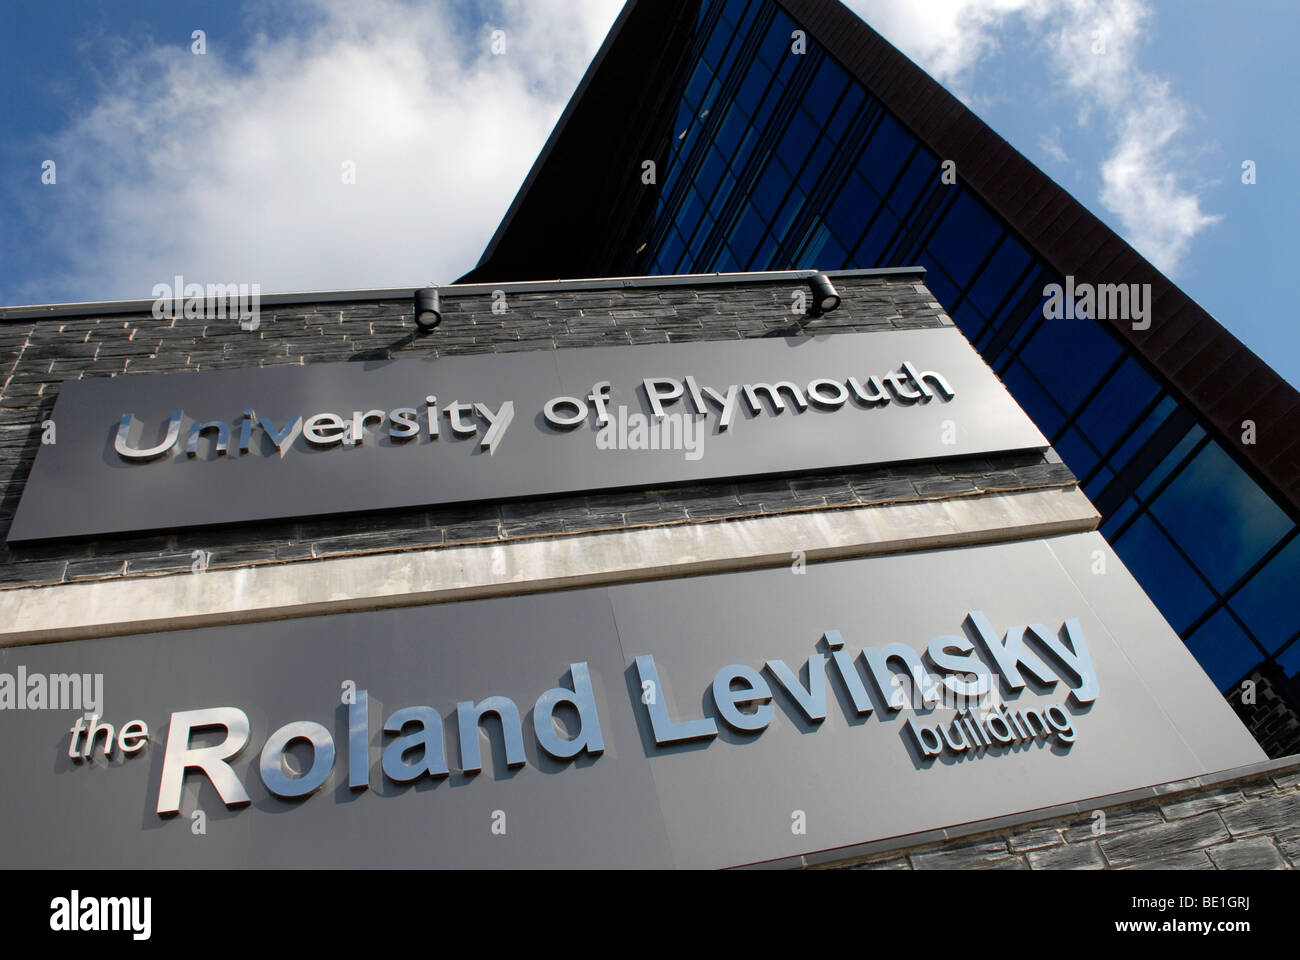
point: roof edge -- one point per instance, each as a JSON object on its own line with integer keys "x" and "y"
{"x": 41, "y": 311}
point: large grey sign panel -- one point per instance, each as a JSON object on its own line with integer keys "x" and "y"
{"x": 733, "y": 799}
{"x": 82, "y": 486}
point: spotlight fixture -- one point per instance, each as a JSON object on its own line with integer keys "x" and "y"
{"x": 825, "y": 299}
{"x": 427, "y": 314}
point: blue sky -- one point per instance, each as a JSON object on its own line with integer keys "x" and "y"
{"x": 230, "y": 166}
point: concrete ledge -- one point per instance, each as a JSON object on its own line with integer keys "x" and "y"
{"x": 310, "y": 588}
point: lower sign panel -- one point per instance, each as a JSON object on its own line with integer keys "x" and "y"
{"x": 701, "y": 722}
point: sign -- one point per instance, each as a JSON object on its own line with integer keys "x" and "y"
{"x": 700, "y": 722}
{"x": 166, "y": 452}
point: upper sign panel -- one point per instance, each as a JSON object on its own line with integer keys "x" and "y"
{"x": 139, "y": 453}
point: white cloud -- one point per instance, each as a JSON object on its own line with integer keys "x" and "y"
{"x": 946, "y": 37}
{"x": 1050, "y": 144}
{"x": 1093, "y": 51}
{"x": 229, "y": 168}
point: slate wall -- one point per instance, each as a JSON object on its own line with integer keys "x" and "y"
{"x": 1236, "y": 820}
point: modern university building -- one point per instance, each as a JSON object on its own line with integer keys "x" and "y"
{"x": 754, "y": 500}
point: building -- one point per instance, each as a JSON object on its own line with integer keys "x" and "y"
{"x": 753, "y": 568}
{"x": 768, "y": 159}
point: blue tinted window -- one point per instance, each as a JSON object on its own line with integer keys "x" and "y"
{"x": 1168, "y": 580}
{"x": 940, "y": 284}
{"x": 713, "y": 50}
{"x": 1268, "y": 604}
{"x": 700, "y": 81}
{"x": 851, "y": 210}
{"x": 724, "y": 192}
{"x": 666, "y": 187}
{"x": 706, "y": 180}
{"x": 1289, "y": 661}
{"x": 1027, "y": 326}
{"x": 710, "y": 98}
{"x": 844, "y": 113}
{"x": 671, "y": 251}
{"x": 770, "y": 190}
{"x": 751, "y": 90}
{"x": 1167, "y": 465}
{"x": 728, "y": 62}
{"x": 1012, "y": 306}
{"x": 1069, "y": 356}
{"x": 691, "y": 211}
{"x": 747, "y": 144}
{"x": 793, "y": 205}
{"x": 1223, "y": 651}
{"x": 822, "y": 252}
{"x": 825, "y": 91}
{"x": 696, "y": 246}
{"x": 763, "y": 115}
{"x": 885, "y": 155}
{"x": 1078, "y": 454}
{"x": 1098, "y": 483}
{"x": 1144, "y": 431}
{"x": 746, "y": 234}
{"x": 731, "y": 130}
{"x": 776, "y": 44}
{"x": 762, "y": 260}
{"x": 913, "y": 183}
{"x": 1000, "y": 276}
{"x": 1047, "y": 416}
{"x": 789, "y": 63}
{"x": 812, "y": 172}
{"x": 1125, "y": 395}
{"x": 964, "y": 238}
{"x": 733, "y": 10}
{"x": 1119, "y": 517}
{"x": 875, "y": 245}
{"x": 685, "y": 115}
{"x": 968, "y": 320}
{"x": 751, "y": 12}
{"x": 797, "y": 141}
{"x": 1219, "y": 516}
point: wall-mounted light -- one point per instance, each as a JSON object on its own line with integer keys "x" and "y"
{"x": 427, "y": 314}
{"x": 825, "y": 298}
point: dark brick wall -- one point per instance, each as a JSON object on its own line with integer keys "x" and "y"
{"x": 1230, "y": 822}
{"x": 1267, "y": 708}
{"x": 36, "y": 356}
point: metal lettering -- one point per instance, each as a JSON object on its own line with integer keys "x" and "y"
{"x": 122, "y": 444}
{"x": 179, "y": 756}
{"x": 272, "y": 767}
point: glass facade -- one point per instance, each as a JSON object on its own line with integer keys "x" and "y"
{"x": 781, "y": 160}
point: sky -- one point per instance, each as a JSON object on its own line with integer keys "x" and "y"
{"x": 328, "y": 144}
